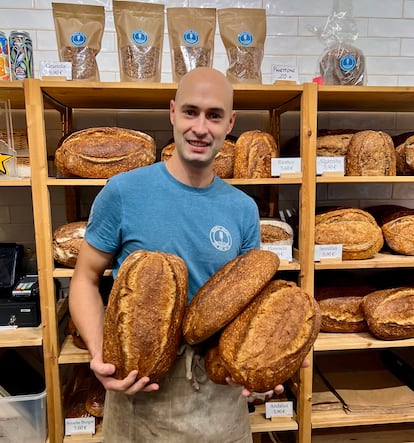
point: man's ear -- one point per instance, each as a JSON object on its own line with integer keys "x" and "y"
{"x": 172, "y": 111}
{"x": 231, "y": 122}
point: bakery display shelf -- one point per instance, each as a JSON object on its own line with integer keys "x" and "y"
{"x": 126, "y": 95}
{"x": 259, "y": 422}
{"x": 25, "y": 336}
{"x": 380, "y": 260}
{"x": 339, "y": 418}
{"x": 341, "y": 341}
{"x": 365, "y": 179}
{"x": 52, "y": 181}
{"x": 68, "y": 272}
{"x": 366, "y": 98}
{"x": 70, "y": 353}
{"x": 14, "y": 92}
{"x": 15, "y": 181}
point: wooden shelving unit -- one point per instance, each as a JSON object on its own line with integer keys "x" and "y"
{"x": 307, "y": 100}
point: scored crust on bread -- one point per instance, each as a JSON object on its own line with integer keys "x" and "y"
{"x": 66, "y": 242}
{"x": 142, "y": 325}
{"x": 227, "y": 293}
{"x": 356, "y": 229}
{"x": 275, "y": 232}
{"x": 103, "y": 152}
{"x": 390, "y": 313}
{"x": 267, "y": 343}
{"x": 254, "y": 151}
{"x": 370, "y": 153}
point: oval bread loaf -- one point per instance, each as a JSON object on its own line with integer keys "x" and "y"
{"x": 254, "y": 151}
{"x": 390, "y": 313}
{"x": 267, "y": 343}
{"x": 104, "y": 152}
{"x": 355, "y": 229}
{"x": 227, "y": 293}
{"x": 66, "y": 242}
{"x": 275, "y": 232}
{"x": 142, "y": 326}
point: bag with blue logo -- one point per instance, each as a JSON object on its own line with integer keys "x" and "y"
{"x": 79, "y": 30}
{"x": 191, "y": 37}
{"x": 341, "y": 63}
{"x": 140, "y": 33}
{"x": 243, "y": 32}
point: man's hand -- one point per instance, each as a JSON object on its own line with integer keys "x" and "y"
{"x": 130, "y": 385}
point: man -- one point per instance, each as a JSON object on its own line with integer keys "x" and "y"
{"x": 181, "y": 207}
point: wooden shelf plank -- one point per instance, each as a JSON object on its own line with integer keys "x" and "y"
{"x": 331, "y": 341}
{"x": 21, "y": 337}
{"x": 15, "y": 181}
{"x": 339, "y": 418}
{"x": 71, "y": 353}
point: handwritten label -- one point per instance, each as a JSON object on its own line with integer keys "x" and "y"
{"x": 288, "y": 165}
{"x": 81, "y": 425}
{"x": 330, "y": 164}
{"x": 279, "y": 409}
{"x": 284, "y": 252}
{"x": 330, "y": 252}
{"x": 284, "y": 72}
{"x": 56, "y": 69}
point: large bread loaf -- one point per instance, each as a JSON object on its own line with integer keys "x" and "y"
{"x": 267, "y": 343}
{"x": 370, "y": 153}
{"x": 405, "y": 157}
{"x": 397, "y": 224}
{"x": 390, "y": 313}
{"x": 142, "y": 327}
{"x": 103, "y": 152}
{"x": 355, "y": 229}
{"x": 254, "y": 151}
{"x": 227, "y": 293}
{"x": 66, "y": 242}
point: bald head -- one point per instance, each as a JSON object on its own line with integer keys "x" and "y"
{"x": 205, "y": 80}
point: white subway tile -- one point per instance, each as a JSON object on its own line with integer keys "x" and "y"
{"x": 390, "y": 28}
{"x": 409, "y": 9}
{"x": 375, "y": 8}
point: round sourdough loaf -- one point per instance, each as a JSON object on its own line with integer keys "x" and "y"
{"x": 142, "y": 325}
{"x": 275, "y": 232}
{"x": 267, "y": 343}
{"x": 66, "y": 242}
{"x": 103, "y": 152}
{"x": 254, "y": 151}
{"x": 356, "y": 229}
{"x": 370, "y": 153}
{"x": 227, "y": 293}
{"x": 390, "y": 313}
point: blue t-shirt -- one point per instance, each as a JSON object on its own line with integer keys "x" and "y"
{"x": 147, "y": 208}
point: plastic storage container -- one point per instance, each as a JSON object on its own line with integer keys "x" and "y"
{"x": 23, "y": 418}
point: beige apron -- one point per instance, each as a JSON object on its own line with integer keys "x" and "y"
{"x": 187, "y": 408}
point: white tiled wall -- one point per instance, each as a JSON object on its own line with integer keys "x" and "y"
{"x": 386, "y": 36}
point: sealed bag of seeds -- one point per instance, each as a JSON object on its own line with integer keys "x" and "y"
{"x": 79, "y": 30}
{"x": 191, "y": 36}
{"x": 140, "y": 31}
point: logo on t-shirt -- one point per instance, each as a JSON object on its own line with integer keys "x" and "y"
{"x": 220, "y": 238}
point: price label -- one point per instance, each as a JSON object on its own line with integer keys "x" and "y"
{"x": 56, "y": 69}
{"x": 328, "y": 252}
{"x": 82, "y": 425}
{"x": 330, "y": 164}
{"x": 288, "y": 165}
{"x": 279, "y": 409}
{"x": 284, "y": 72}
{"x": 284, "y": 252}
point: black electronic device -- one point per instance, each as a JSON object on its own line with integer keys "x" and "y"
{"x": 11, "y": 260}
{"x": 400, "y": 362}
{"x": 26, "y": 288}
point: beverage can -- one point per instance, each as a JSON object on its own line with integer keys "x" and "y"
{"x": 21, "y": 55}
{"x": 4, "y": 57}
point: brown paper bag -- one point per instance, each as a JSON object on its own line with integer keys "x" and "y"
{"x": 79, "y": 30}
{"x": 191, "y": 36}
{"x": 243, "y": 31}
{"x": 140, "y": 32}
